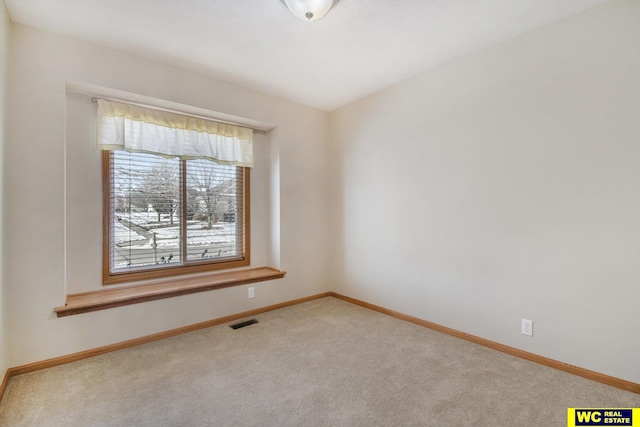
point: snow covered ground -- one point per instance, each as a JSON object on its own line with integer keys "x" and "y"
{"x": 123, "y": 235}
{"x": 168, "y": 235}
{"x": 134, "y": 237}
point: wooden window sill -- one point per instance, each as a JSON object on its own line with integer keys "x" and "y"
{"x": 108, "y": 298}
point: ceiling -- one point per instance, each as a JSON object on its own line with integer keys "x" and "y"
{"x": 359, "y": 47}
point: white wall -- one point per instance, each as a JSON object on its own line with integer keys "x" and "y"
{"x": 505, "y": 185}
{"x": 289, "y": 194}
{"x": 4, "y": 47}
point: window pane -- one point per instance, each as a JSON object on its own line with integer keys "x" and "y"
{"x": 163, "y": 213}
{"x": 214, "y": 213}
{"x": 145, "y": 215}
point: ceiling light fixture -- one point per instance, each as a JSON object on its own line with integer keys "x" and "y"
{"x": 309, "y": 10}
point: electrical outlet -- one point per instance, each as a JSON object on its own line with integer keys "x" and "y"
{"x": 251, "y": 292}
{"x": 527, "y": 327}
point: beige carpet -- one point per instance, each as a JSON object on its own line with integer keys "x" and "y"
{"x": 322, "y": 363}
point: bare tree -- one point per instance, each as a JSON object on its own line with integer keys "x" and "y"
{"x": 208, "y": 185}
{"x": 128, "y": 184}
{"x": 160, "y": 189}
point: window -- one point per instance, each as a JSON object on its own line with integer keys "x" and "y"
{"x": 167, "y": 208}
{"x": 168, "y": 216}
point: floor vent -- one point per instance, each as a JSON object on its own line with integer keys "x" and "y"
{"x": 243, "y": 324}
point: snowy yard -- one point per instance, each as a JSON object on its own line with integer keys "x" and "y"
{"x": 141, "y": 240}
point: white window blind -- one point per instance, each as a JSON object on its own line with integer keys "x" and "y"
{"x": 135, "y": 128}
{"x": 167, "y": 213}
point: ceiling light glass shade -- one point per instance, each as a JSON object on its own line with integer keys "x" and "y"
{"x": 309, "y": 10}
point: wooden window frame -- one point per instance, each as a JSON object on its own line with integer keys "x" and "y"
{"x": 109, "y": 278}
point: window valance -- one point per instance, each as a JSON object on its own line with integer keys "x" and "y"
{"x": 135, "y": 128}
